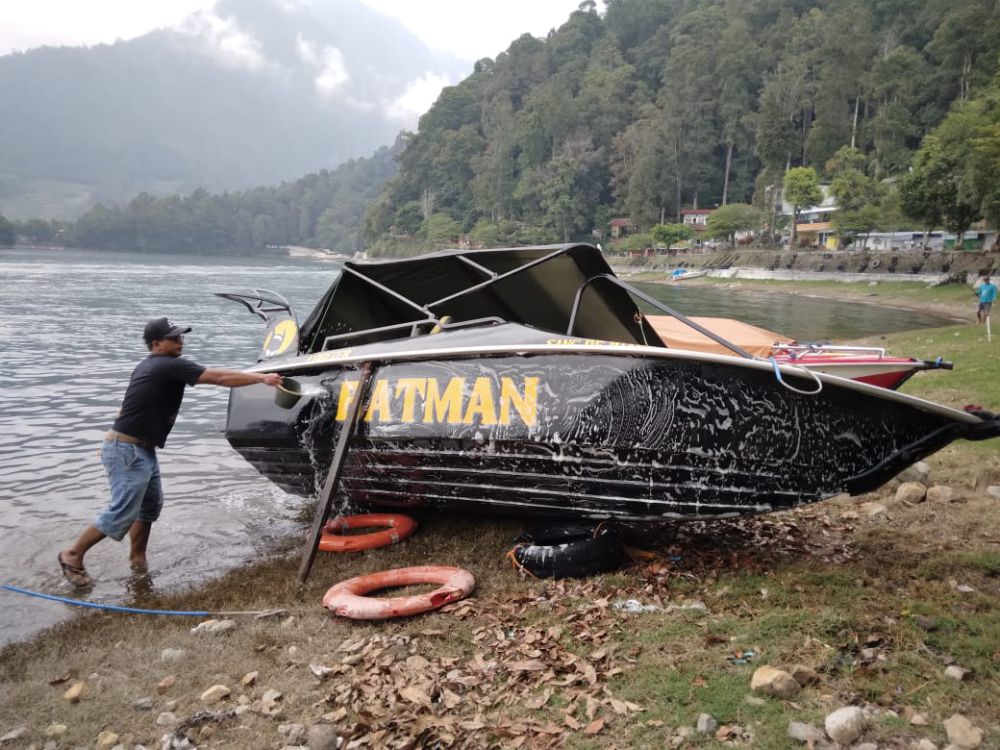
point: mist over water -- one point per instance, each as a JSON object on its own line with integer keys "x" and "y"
{"x": 70, "y": 335}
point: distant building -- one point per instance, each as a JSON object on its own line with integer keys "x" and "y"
{"x": 815, "y": 224}
{"x": 696, "y": 218}
{"x": 622, "y": 228}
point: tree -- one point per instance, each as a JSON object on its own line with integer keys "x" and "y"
{"x": 7, "y": 235}
{"x": 667, "y": 235}
{"x": 857, "y": 194}
{"x": 726, "y": 221}
{"x": 440, "y": 229}
{"x": 801, "y": 190}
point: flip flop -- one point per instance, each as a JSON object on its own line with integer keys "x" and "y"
{"x": 74, "y": 573}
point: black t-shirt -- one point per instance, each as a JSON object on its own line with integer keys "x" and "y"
{"x": 154, "y": 396}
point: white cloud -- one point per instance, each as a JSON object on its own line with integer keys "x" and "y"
{"x": 329, "y": 62}
{"x": 416, "y": 99}
{"x": 225, "y": 40}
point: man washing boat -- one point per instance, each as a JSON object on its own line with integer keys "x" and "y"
{"x": 148, "y": 411}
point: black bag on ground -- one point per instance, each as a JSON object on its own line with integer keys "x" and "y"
{"x": 568, "y": 551}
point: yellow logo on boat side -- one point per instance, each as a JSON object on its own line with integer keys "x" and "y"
{"x": 460, "y": 401}
{"x": 280, "y": 338}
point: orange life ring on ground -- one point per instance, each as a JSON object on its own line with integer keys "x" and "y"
{"x": 395, "y": 527}
{"x": 348, "y": 599}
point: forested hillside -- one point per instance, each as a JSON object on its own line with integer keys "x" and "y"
{"x": 319, "y": 210}
{"x": 250, "y": 92}
{"x": 660, "y": 104}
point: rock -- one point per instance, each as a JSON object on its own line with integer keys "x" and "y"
{"x": 271, "y": 696}
{"x": 927, "y": 623}
{"x": 241, "y": 709}
{"x": 753, "y": 700}
{"x": 215, "y": 694}
{"x": 916, "y": 473}
{"x": 106, "y": 740}
{"x": 77, "y": 692}
{"x": 288, "y": 623}
{"x": 962, "y": 732}
{"x": 294, "y": 653}
{"x": 55, "y": 730}
{"x": 911, "y": 492}
{"x": 805, "y": 732}
{"x": 957, "y": 673}
{"x": 871, "y": 510}
{"x": 940, "y": 494}
{"x": 170, "y": 706}
{"x": 323, "y": 737}
{"x": 924, "y": 744}
{"x": 143, "y": 704}
{"x": 172, "y": 654}
{"x": 292, "y": 732}
{"x": 249, "y": 679}
{"x": 166, "y": 719}
{"x": 866, "y": 746}
{"x": 845, "y": 724}
{"x": 213, "y": 627}
{"x": 804, "y": 675}
{"x": 320, "y": 671}
{"x": 166, "y": 683}
{"x": 771, "y": 681}
{"x": 707, "y": 724}
{"x": 993, "y": 490}
{"x": 913, "y": 717}
{"x": 14, "y": 734}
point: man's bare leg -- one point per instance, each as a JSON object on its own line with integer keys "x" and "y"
{"x": 74, "y": 554}
{"x": 139, "y": 535}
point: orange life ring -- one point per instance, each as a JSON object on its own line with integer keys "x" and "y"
{"x": 395, "y": 527}
{"x": 348, "y": 599}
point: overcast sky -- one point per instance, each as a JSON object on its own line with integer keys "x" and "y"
{"x": 467, "y": 28}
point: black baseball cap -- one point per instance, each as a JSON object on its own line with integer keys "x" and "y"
{"x": 161, "y": 328}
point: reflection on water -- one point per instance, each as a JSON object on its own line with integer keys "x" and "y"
{"x": 70, "y": 334}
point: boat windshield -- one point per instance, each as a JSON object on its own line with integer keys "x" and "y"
{"x": 534, "y": 286}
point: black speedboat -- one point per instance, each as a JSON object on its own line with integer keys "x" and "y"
{"x": 528, "y": 380}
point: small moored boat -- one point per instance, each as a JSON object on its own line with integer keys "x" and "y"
{"x": 863, "y": 363}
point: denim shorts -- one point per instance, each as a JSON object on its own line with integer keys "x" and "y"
{"x": 134, "y": 475}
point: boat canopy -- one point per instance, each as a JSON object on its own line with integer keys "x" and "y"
{"x": 566, "y": 289}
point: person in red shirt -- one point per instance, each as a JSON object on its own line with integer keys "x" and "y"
{"x": 149, "y": 409}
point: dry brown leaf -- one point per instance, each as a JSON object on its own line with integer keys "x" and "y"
{"x": 571, "y": 722}
{"x": 592, "y": 706}
{"x": 618, "y": 706}
{"x": 472, "y": 725}
{"x": 538, "y": 701}
{"x": 594, "y": 727}
{"x": 529, "y": 665}
{"x": 450, "y": 699}
{"x": 549, "y": 728}
{"x": 415, "y": 695}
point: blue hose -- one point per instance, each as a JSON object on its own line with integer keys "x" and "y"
{"x": 108, "y": 607}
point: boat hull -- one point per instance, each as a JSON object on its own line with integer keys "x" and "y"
{"x": 599, "y": 434}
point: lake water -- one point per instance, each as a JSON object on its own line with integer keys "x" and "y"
{"x": 70, "y": 334}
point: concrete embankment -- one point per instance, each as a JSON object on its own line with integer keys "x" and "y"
{"x": 818, "y": 265}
